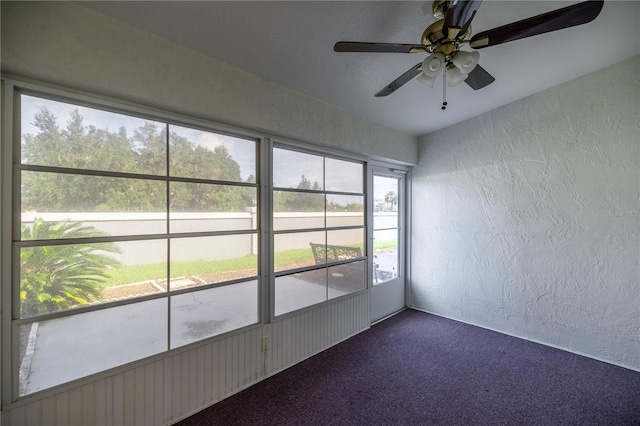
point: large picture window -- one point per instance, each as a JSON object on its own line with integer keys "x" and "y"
{"x": 136, "y": 232}
{"x": 319, "y": 228}
{"x": 136, "y": 236}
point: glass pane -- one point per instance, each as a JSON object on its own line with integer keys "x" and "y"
{"x": 343, "y": 176}
{"x": 297, "y": 291}
{"x": 385, "y": 197}
{"x": 293, "y": 169}
{"x": 63, "y": 349}
{"x": 201, "y": 207}
{"x": 385, "y": 220}
{"x": 207, "y": 155}
{"x": 297, "y": 210}
{"x": 345, "y": 210}
{"x": 56, "y": 205}
{"x": 201, "y": 314}
{"x": 385, "y": 256}
{"x": 61, "y": 277}
{"x": 345, "y": 244}
{"x": 65, "y": 135}
{"x": 347, "y": 278}
{"x": 296, "y": 250}
{"x": 206, "y": 260}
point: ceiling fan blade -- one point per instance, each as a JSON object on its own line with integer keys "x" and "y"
{"x": 400, "y": 81}
{"x": 356, "y": 46}
{"x": 479, "y": 78}
{"x": 559, "y": 19}
{"x": 459, "y": 16}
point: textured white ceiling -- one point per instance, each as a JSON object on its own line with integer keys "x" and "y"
{"x": 291, "y": 43}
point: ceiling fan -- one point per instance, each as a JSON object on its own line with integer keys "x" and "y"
{"x": 452, "y": 30}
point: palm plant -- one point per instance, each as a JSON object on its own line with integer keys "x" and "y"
{"x": 57, "y": 277}
{"x": 391, "y": 199}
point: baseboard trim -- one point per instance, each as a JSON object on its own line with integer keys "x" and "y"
{"x": 389, "y": 316}
{"x": 551, "y": 345}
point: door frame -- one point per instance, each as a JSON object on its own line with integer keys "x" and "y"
{"x": 386, "y": 299}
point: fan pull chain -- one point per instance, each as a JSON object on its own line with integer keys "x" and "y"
{"x": 444, "y": 88}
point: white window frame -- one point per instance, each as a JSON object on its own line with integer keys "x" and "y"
{"x": 10, "y": 222}
{"x": 305, "y": 149}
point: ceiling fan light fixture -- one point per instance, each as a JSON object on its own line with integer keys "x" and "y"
{"x": 455, "y": 76}
{"x": 432, "y": 65}
{"x": 452, "y": 29}
{"x": 466, "y": 61}
{"x": 425, "y": 79}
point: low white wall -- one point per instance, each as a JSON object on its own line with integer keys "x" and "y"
{"x": 526, "y": 219}
{"x": 219, "y": 247}
{"x": 145, "y": 252}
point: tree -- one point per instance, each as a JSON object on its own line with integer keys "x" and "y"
{"x": 57, "y": 277}
{"x": 80, "y": 146}
{"x": 350, "y": 207}
{"x": 290, "y": 201}
{"x": 391, "y": 200}
{"x": 187, "y": 159}
{"x": 76, "y": 146}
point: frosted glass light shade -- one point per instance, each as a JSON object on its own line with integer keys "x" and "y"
{"x": 455, "y": 77}
{"x": 425, "y": 79}
{"x": 432, "y": 65}
{"x": 466, "y": 61}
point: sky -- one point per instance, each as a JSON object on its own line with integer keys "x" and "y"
{"x": 382, "y": 185}
{"x": 339, "y": 175}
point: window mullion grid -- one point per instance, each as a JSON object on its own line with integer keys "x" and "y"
{"x": 124, "y": 238}
{"x": 11, "y": 142}
{"x": 265, "y": 196}
{"x": 12, "y": 222}
{"x": 17, "y": 245}
{"x": 168, "y": 219}
{"x": 326, "y": 232}
{"x": 127, "y": 175}
{"x": 122, "y": 302}
{"x": 264, "y": 177}
{"x": 88, "y": 308}
{"x": 325, "y": 229}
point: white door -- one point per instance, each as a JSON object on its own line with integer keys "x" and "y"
{"x": 387, "y": 254}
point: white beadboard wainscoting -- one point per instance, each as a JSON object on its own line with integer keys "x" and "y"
{"x": 172, "y": 387}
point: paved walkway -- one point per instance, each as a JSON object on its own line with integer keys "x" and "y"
{"x": 71, "y": 347}
{"x": 68, "y": 348}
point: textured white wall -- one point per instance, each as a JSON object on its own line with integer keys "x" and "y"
{"x": 67, "y": 44}
{"x": 527, "y": 219}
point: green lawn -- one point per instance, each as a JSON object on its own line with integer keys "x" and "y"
{"x": 132, "y": 274}
{"x": 381, "y": 245}
{"x": 138, "y": 273}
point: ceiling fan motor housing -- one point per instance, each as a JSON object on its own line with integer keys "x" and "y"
{"x": 435, "y": 40}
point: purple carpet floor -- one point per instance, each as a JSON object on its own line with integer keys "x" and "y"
{"x": 420, "y": 369}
